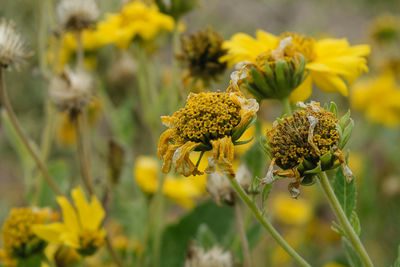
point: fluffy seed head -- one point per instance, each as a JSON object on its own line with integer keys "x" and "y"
{"x": 307, "y": 134}
{"x": 12, "y": 47}
{"x": 71, "y": 91}
{"x": 76, "y": 15}
{"x": 215, "y": 257}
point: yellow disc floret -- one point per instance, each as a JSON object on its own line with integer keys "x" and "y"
{"x": 303, "y": 44}
{"x": 207, "y": 116}
{"x": 17, "y": 233}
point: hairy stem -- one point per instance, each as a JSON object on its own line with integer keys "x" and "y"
{"x": 345, "y": 223}
{"x": 14, "y": 121}
{"x": 267, "y": 225}
{"x": 83, "y": 151}
{"x": 242, "y": 234}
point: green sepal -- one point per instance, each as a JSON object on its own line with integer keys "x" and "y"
{"x": 203, "y": 147}
{"x": 238, "y": 143}
{"x": 254, "y": 92}
{"x": 346, "y": 134}
{"x": 281, "y": 81}
{"x": 316, "y": 170}
{"x": 333, "y": 108}
{"x": 327, "y": 160}
{"x": 308, "y": 180}
{"x": 344, "y": 119}
{"x": 237, "y": 133}
{"x": 259, "y": 81}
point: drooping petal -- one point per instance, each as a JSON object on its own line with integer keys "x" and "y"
{"x": 69, "y": 215}
{"x": 163, "y": 142}
{"x": 302, "y": 92}
{"x": 181, "y": 160}
{"x": 223, "y": 153}
{"x": 248, "y": 108}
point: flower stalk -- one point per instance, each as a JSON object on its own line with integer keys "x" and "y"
{"x": 242, "y": 234}
{"x": 14, "y": 121}
{"x": 267, "y": 225}
{"x": 341, "y": 216}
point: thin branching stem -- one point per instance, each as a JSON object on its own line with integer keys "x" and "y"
{"x": 242, "y": 234}
{"x": 14, "y": 121}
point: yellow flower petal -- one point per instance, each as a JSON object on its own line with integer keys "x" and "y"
{"x": 69, "y": 215}
{"x": 50, "y": 233}
{"x": 302, "y": 92}
{"x": 329, "y": 82}
{"x": 90, "y": 215}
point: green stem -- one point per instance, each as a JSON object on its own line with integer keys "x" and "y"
{"x": 14, "y": 121}
{"x": 158, "y": 225}
{"x": 341, "y": 216}
{"x": 267, "y": 225}
{"x": 287, "y": 108}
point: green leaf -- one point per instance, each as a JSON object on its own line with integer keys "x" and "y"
{"x": 338, "y": 229}
{"x": 345, "y": 192}
{"x": 177, "y": 236}
{"x": 205, "y": 237}
{"x": 347, "y": 133}
{"x": 264, "y": 196}
{"x": 33, "y": 261}
{"x": 344, "y": 120}
{"x": 352, "y": 257}
{"x": 355, "y": 222}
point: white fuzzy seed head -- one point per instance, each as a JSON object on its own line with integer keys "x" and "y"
{"x": 71, "y": 91}
{"x": 12, "y": 47}
{"x": 76, "y": 15}
{"x": 215, "y": 257}
{"x": 220, "y": 188}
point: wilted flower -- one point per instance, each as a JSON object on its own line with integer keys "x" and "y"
{"x": 12, "y": 47}
{"x": 209, "y": 121}
{"x": 76, "y": 15}
{"x": 71, "y": 91}
{"x": 330, "y": 62}
{"x": 200, "y": 55}
{"x": 378, "y": 98}
{"x": 215, "y": 257}
{"x": 306, "y": 143}
{"x": 122, "y": 69}
{"x": 19, "y": 241}
{"x": 220, "y": 188}
{"x": 81, "y": 227}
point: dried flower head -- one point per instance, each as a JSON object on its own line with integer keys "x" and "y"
{"x": 215, "y": 257}
{"x": 306, "y": 143}
{"x": 19, "y": 241}
{"x": 385, "y": 29}
{"x": 12, "y": 47}
{"x": 220, "y": 188}
{"x": 76, "y": 15}
{"x": 209, "y": 121}
{"x": 71, "y": 91}
{"x": 200, "y": 55}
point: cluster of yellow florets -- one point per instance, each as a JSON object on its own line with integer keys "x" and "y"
{"x": 90, "y": 239}
{"x": 302, "y": 44}
{"x": 17, "y": 232}
{"x": 206, "y": 116}
{"x": 290, "y": 140}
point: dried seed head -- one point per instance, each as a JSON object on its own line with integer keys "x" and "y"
{"x": 220, "y": 188}
{"x": 76, "y": 15}
{"x": 215, "y": 257}
{"x": 200, "y": 54}
{"x": 71, "y": 91}
{"x": 12, "y": 47}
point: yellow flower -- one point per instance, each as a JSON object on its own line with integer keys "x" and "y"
{"x": 291, "y": 211}
{"x": 179, "y": 189}
{"x": 81, "y": 227}
{"x": 136, "y": 19}
{"x": 248, "y": 135}
{"x": 209, "y": 121}
{"x": 379, "y": 98}
{"x": 331, "y": 62}
{"x": 19, "y": 240}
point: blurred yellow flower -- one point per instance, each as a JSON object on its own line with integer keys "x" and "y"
{"x": 81, "y": 227}
{"x": 356, "y": 164}
{"x": 378, "y": 98}
{"x": 248, "y": 134}
{"x": 136, "y": 19}
{"x": 331, "y": 62}
{"x": 292, "y": 211}
{"x": 179, "y": 189}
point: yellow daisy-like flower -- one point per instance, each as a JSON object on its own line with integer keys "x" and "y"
{"x": 209, "y": 121}
{"x": 379, "y": 98}
{"x": 332, "y": 63}
{"x": 136, "y": 19}
{"x": 292, "y": 211}
{"x": 179, "y": 189}
{"x": 81, "y": 227}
